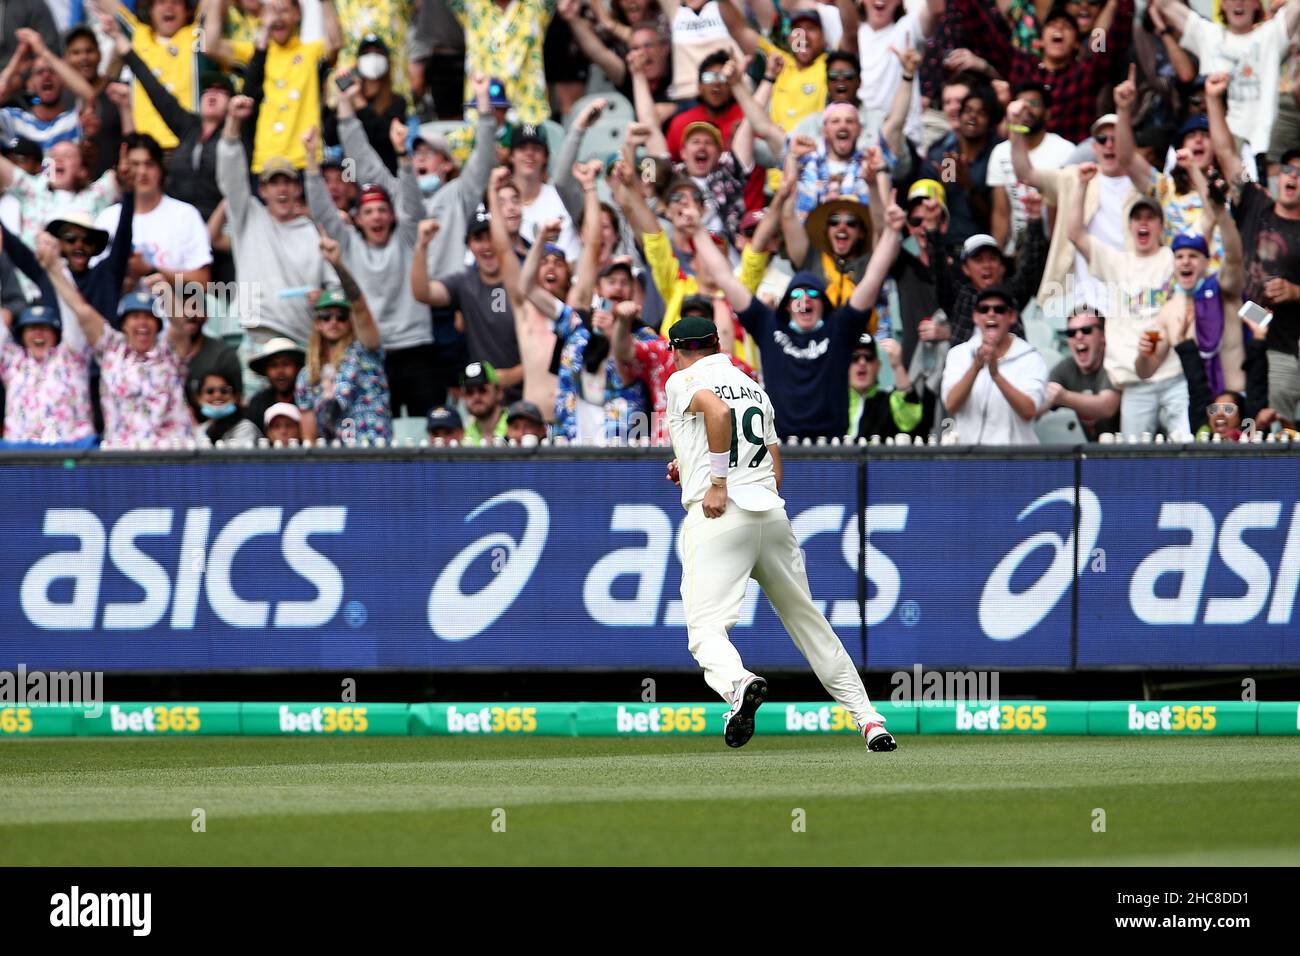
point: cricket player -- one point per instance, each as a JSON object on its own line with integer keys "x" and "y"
{"x": 729, "y": 467}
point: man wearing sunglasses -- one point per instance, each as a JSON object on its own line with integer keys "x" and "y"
{"x": 1079, "y": 381}
{"x": 717, "y": 106}
{"x": 1270, "y": 235}
{"x": 993, "y": 385}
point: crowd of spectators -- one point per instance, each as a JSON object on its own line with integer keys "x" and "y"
{"x": 995, "y": 221}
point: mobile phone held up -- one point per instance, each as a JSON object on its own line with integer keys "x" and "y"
{"x": 344, "y": 82}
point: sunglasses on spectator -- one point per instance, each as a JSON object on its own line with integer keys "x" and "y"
{"x": 333, "y": 316}
{"x": 863, "y": 357}
{"x": 841, "y": 74}
{"x": 75, "y": 237}
{"x": 682, "y": 195}
{"x": 1226, "y": 408}
{"x": 1290, "y": 169}
{"x": 1081, "y": 330}
{"x": 219, "y": 390}
{"x": 915, "y": 221}
{"x": 1104, "y": 139}
{"x": 997, "y": 309}
{"x": 712, "y": 76}
{"x": 804, "y": 293}
{"x": 843, "y": 221}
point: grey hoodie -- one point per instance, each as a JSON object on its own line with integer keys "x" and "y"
{"x": 271, "y": 255}
{"x": 452, "y": 205}
{"x": 383, "y": 272}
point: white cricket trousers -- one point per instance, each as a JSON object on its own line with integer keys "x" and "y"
{"x": 719, "y": 556}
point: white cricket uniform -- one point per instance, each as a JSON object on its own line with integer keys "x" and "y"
{"x": 752, "y": 538}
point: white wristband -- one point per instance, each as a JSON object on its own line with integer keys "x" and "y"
{"x": 719, "y": 464}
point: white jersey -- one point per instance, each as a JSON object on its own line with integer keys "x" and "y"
{"x": 751, "y": 480}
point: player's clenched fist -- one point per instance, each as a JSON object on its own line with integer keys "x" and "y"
{"x": 715, "y": 501}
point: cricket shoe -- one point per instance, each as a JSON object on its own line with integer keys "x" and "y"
{"x": 879, "y": 740}
{"x": 745, "y": 701}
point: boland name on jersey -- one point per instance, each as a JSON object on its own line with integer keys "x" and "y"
{"x": 751, "y": 478}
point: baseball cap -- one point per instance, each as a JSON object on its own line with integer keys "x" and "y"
{"x": 281, "y": 410}
{"x": 866, "y": 343}
{"x": 436, "y": 142}
{"x": 806, "y": 14}
{"x": 277, "y": 346}
{"x": 996, "y": 292}
{"x": 277, "y": 166}
{"x": 1059, "y": 12}
{"x": 332, "y": 299}
{"x": 700, "y": 305}
{"x": 685, "y": 183}
{"x": 1148, "y": 203}
{"x": 700, "y": 126}
{"x": 478, "y": 373}
{"x": 692, "y": 329}
{"x": 977, "y": 242}
{"x": 551, "y": 249}
{"x": 443, "y": 417}
{"x": 22, "y": 146}
{"x": 481, "y": 221}
{"x": 497, "y": 94}
{"x": 137, "y": 302}
{"x": 1198, "y": 122}
{"x": 372, "y": 41}
{"x": 1190, "y": 240}
{"x": 332, "y": 157}
{"x": 528, "y": 410}
{"x": 618, "y": 262}
{"x": 528, "y": 135}
{"x": 1106, "y": 119}
{"x": 373, "y": 192}
{"x": 215, "y": 79}
{"x": 39, "y": 315}
{"x": 924, "y": 189}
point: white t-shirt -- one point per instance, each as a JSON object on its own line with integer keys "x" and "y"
{"x": 548, "y": 205}
{"x": 881, "y": 71}
{"x": 1142, "y": 284}
{"x": 1254, "y": 63}
{"x": 751, "y": 480}
{"x": 1106, "y": 227}
{"x": 1051, "y": 153}
{"x": 987, "y": 418}
{"x": 171, "y": 238}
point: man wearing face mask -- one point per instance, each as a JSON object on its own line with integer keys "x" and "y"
{"x": 372, "y": 98}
